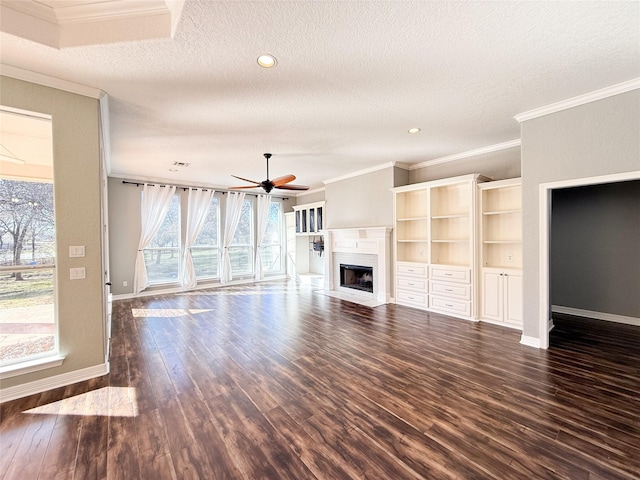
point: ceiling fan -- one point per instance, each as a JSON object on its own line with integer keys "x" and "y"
{"x": 281, "y": 183}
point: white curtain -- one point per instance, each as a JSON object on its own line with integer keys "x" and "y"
{"x": 197, "y": 208}
{"x": 264, "y": 201}
{"x": 153, "y": 208}
{"x": 235, "y": 200}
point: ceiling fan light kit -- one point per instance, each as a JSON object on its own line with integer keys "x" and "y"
{"x": 281, "y": 183}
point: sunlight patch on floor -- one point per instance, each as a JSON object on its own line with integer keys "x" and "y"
{"x": 103, "y": 402}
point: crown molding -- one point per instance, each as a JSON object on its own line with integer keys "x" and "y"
{"x": 470, "y": 153}
{"x": 47, "y": 81}
{"x": 365, "y": 171}
{"x": 580, "y": 100}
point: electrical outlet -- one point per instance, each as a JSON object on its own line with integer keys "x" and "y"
{"x": 421, "y": 253}
{"x": 510, "y": 257}
{"x": 125, "y": 283}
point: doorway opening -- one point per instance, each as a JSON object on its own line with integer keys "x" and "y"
{"x": 546, "y": 210}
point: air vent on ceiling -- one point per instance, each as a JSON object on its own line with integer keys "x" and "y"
{"x": 181, "y": 164}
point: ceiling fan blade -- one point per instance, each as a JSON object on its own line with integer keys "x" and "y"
{"x": 246, "y": 179}
{"x": 282, "y": 180}
{"x": 244, "y": 186}
{"x": 293, "y": 187}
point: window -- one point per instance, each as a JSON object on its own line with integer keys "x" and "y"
{"x": 271, "y": 247}
{"x": 27, "y": 240}
{"x": 206, "y": 249}
{"x": 241, "y": 248}
{"x": 162, "y": 256}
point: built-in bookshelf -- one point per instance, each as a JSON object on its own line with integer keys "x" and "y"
{"x": 500, "y": 283}
{"x": 450, "y": 223}
{"x": 411, "y": 225}
{"x": 435, "y": 244}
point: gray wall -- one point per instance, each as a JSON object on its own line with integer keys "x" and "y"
{"x": 362, "y": 201}
{"x": 308, "y": 198}
{"x": 599, "y": 138}
{"x": 76, "y": 152}
{"x": 124, "y": 229}
{"x": 495, "y": 165}
{"x": 595, "y": 248}
{"x": 124, "y": 233}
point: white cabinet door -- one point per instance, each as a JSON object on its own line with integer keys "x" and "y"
{"x": 492, "y": 295}
{"x": 513, "y": 298}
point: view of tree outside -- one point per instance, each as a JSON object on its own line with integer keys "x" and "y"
{"x": 271, "y": 247}
{"x": 162, "y": 256}
{"x": 206, "y": 249}
{"x": 27, "y": 237}
{"x": 27, "y": 231}
{"x": 241, "y": 248}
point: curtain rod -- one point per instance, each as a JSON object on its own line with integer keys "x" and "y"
{"x": 185, "y": 188}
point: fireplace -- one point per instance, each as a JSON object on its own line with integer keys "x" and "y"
{"x": 357, "y": 277}
{"x": 363, "y": 248}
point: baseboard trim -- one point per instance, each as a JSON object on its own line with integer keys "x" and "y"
{"x": 205, "y": 286}
{"x": 49, "y": 383}
{"x": 609, "y": 317}
{"x": 530, "y": 341}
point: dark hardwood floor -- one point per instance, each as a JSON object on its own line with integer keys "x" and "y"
{"x": 272, "y": 381}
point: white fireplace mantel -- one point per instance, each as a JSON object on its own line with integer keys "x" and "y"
{"x": 374, "y": 241}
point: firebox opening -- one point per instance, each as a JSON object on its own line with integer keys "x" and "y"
{"x": 356, "y": 277}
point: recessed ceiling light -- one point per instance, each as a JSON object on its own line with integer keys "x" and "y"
{"x": 413, "y": 130}
{"x": 267, "y": 61}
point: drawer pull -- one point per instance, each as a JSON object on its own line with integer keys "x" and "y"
{"x": 410, "y": 270}
{"x": 411, "y": 284}
{"x": 448, "y": 290}
{"x": 448, "y": 274}
{"x": 448, "y": 305}
{"x": 411, "y": 298}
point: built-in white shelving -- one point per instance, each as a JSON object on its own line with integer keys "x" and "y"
{"x": 501, "y": 252}
{"x": 305, "y": 234}
{"x": 434, "y": 245}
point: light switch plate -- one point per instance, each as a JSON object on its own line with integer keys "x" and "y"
{"x": 76, "y": 273}
{"x": 76, "y": 251}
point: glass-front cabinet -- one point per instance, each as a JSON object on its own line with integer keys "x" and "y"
{"x": 309, "y": 218}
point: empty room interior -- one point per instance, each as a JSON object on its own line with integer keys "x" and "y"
{"x": 319, "y": 240}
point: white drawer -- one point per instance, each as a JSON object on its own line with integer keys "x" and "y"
{"x": 462, "y": 275}
{"x": 411, "y": 269}
{"x": 411, "y": 298}
{"x": 453, "y": 306}
{"x": 412, "y": 283}
{"x": 460, "y": 291}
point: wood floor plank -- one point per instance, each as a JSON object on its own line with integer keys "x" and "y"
{"x": 271, "y": 380}
{"x": 122, "y": 449}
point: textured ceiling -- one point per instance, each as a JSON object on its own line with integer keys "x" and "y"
{"x": 351, "y": 79}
